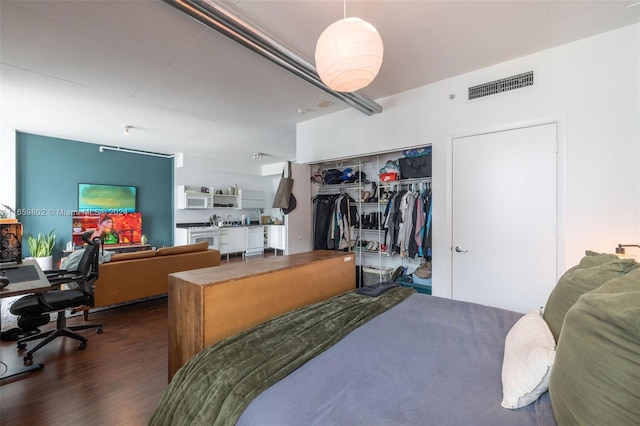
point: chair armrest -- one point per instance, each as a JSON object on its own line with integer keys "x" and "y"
{"x": 63, "y": 279}
{"x": 54, "y": 271}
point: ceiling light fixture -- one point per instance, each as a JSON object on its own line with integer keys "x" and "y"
{"x": 240, "y": 30}
{"x": 349, "y": 54}
{"x": 257, "y": 155}
{"x": 126, "y": 129}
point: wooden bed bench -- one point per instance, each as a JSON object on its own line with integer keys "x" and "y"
{"x": 204, "y": 303}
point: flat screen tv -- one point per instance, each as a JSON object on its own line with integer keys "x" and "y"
{"x": 119, "y": 228}
{"x": 113, "y": 199}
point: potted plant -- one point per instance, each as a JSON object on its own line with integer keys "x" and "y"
{"x": 41, "y": 248}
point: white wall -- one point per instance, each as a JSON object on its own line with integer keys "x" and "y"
{"x": 298, "y": 222}
{"x": 194, "y": 176}
{"x": 592, "y": 87}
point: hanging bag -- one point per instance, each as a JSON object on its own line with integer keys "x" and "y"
{"x": 283, "y": 193}
{"x": 292, "y": 205}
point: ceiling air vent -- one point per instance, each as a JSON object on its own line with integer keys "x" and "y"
{"x": 502, "y": 85}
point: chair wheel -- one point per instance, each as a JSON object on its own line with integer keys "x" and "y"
{"x": 28, "y": 360}
{"x": 22, "y": 346}
{"x": 99, "y": 330}
{"x": 82, "y": 345}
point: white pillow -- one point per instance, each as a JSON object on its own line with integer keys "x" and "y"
{"x": 529, "y": 351}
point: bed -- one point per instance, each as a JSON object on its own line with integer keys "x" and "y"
{"x": 409, "y": 358}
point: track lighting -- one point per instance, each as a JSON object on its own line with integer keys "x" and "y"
{"x": 104, "y": 148}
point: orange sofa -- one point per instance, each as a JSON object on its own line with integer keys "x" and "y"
{"x": 131, "y": 276}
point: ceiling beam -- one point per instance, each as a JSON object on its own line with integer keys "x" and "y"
{"x": 238, "y": 29}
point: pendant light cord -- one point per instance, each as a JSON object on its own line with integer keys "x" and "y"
{"x": 345, "y": 9}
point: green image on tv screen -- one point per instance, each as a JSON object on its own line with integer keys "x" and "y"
{"x": 98, "y": 198}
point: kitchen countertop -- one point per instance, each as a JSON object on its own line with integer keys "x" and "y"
{"x": 207, "y": 225}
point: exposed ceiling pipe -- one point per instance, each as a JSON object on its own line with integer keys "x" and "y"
{"x": 249, "y": 35}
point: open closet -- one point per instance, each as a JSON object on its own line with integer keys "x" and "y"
{"x": 365, "y": 206}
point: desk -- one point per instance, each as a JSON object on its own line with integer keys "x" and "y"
{"x": 25, "y": 278}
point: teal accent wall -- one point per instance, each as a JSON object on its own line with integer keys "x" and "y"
{"x": 50, "y": 169}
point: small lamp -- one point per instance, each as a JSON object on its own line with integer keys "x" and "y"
{"x": 620, "y": 249}
{"x": 349, "y": 54}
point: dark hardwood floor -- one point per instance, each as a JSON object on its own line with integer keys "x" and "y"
{"x": 117, "y": 380}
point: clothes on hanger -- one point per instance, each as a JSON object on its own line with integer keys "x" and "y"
{"x": 408, "y": 223}
{"x": 334, "y": 221}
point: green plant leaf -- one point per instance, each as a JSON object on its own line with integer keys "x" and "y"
{"x": 42, "y": 245}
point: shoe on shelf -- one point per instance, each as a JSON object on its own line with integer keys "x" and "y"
{"x": 365, "y": 221}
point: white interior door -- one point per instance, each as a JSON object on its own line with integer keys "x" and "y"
{"x": 505, "y": 217}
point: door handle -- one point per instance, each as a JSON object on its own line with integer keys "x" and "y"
{"x": 461, "y": 250}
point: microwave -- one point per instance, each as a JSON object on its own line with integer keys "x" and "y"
{"x": 197, "y": 201}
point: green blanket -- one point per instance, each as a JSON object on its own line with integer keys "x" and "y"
{"x": 216, "y": 385}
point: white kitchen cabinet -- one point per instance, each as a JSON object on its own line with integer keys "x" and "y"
{"x": 233, "y": 240}
{"x": 277, "y": 238}
{"x": 255, "y": 240}
{"x": 251, "y": 199}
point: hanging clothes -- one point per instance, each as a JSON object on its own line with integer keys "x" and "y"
{"x": 322, "y": 219}
{"x": 407, "y": 223}
{"x": 334, "y": 219}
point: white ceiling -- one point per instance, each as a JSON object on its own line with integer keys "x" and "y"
{"x": 81, "y": 70}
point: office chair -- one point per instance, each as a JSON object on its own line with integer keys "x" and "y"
{"x": 33, "y": 310}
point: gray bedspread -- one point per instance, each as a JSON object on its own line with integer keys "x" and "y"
{"x": 426, "y": 361}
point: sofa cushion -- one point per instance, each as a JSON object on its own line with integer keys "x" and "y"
{"x": 189, "y": 248}
{"x": 596, "y": 375}
{"x": 594, "y": 270}
{"x": 133, "y": 255}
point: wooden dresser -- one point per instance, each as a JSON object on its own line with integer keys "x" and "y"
{"x": 207, "y": 305}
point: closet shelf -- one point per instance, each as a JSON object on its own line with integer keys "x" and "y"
{"x": 371, "y": 252}
{"x": 374, "y": 204}
{"x": 395, "y": 183}
{"x": 339, "y": 188}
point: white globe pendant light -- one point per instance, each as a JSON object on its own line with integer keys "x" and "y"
{"x": 349, "y": 54}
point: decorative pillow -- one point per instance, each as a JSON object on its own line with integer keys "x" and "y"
{"x": 593, "y": 258}
{"x": 596, "y": 377}
{"x": 529, "y": 350}
{"x": 594, "y": 270}
{"x": 201, "y": 246}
